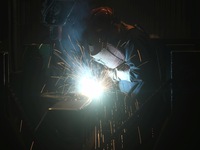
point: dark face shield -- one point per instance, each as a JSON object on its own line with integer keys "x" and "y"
{"x": 96, "y": 41}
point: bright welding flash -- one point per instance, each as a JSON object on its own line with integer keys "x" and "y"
{"x": 90, "y": 87}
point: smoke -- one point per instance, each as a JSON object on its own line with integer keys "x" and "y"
{"x": 75, "y": 25}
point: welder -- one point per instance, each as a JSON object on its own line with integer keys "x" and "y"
{"x": 125, "y": 50}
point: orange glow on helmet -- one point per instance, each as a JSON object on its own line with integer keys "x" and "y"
{"x": 102, "y": 17}
{"x": 102, "y": 11}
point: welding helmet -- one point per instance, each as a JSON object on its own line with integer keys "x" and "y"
{"x": 100, "y": 26}
{"x": 102, "y": 18}
{"x": 100, "y": 32}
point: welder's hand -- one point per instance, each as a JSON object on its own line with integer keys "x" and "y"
{"x": 113, "y": 75}
{"x": 123, "y": 72}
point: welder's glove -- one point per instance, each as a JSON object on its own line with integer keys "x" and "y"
{"x": 113, "y": 75}
{"x": 120, "y": 73}
{"x": 123, "y": 72}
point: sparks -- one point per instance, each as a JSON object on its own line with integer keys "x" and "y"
{"x": 74, "y": 72}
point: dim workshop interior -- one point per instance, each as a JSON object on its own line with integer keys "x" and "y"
{"x": 43, "y": 63}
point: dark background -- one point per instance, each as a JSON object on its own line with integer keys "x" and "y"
{"x": 173, "y": 22}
